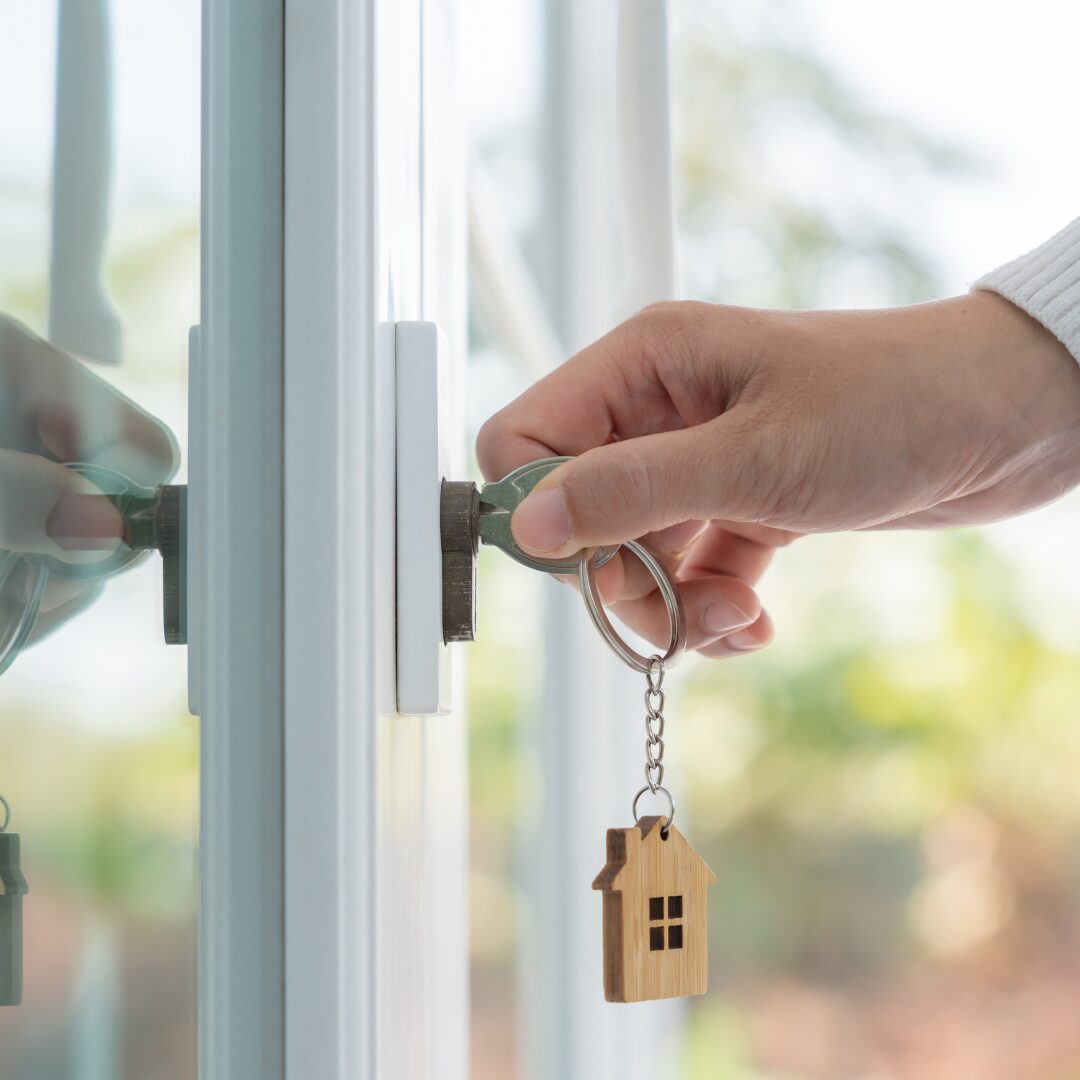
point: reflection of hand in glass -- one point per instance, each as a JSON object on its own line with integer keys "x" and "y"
{"x": 54, "y": 410}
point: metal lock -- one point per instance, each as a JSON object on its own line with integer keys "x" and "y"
{"x": 153, "y": 518}
{"x": 159, "y": 522}
{"x": 470, "y": 516}
{"x": 441, "y": 523}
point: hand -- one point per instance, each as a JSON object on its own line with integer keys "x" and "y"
{"x": 720, "y": 434}
{"x": 54, "y": 410}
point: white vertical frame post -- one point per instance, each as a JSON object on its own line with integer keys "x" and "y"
{"x": 422, "y": 420}
{"x": 333, "y": 931}
{"x": 235, "y": 545}
{"x": 375, "y": 933}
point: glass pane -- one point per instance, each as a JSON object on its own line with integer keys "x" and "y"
{"x": 887, "y": 792}
{"x": 98, "y": 756}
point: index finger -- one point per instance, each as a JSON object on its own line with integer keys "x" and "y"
{"x": 645, "y": 376}
{"x": 62, "y": 410}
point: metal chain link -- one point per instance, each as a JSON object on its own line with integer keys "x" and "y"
{"x": 654, "y": 741}
{"x": 654, "y": 724}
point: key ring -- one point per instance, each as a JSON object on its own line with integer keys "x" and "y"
{"x": 629, "y": 656}
{"x": 7, "y": 814}
{"x": 671, "y": 808}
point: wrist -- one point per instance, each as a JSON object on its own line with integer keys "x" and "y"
{"x": 1029, "y": 381}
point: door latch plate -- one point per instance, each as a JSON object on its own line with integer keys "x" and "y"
{"x": 423, "y": 661}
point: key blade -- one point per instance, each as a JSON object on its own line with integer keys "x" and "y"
{"x": 498, "y": 501}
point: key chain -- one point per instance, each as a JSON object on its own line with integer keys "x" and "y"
{"x": 654, "y": 883}
{"x": 13, "y": 888}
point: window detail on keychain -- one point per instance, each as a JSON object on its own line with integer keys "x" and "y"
{"x": 674, "y": 930}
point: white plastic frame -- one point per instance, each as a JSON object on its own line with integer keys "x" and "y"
{"x": 332, "y": 863}
{"x": 423, "y": 660}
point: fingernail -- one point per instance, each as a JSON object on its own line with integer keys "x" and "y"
{"x": 743, "y": 641}
{"x": 84, "y": 523}
{"x": 542, "y": 522}
{"x": 723, "y": 616}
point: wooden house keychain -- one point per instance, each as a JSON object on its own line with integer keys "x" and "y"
{"x": 654, "y": 883}
{"x": 12, "y": 890}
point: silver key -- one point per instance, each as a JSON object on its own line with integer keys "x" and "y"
{"x": 499, "y": 500}
{"x": 469, "y": 516}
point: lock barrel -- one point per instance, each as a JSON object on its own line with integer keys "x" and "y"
{"x": 459, "y": 518}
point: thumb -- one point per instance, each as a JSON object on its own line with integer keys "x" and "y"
{"x": 625, "y": 489}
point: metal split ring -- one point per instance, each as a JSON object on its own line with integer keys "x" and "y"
{"x": 7, "y": 814}
{"x": 671, "y": 807}
{"x": 647, "y": 665}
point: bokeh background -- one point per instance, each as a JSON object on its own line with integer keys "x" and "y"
{"x": 888, "y": 794}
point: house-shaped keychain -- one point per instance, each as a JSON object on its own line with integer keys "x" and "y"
{"x": 655, "y": 914}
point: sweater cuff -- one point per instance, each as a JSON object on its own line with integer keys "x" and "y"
{"x": 1046, "y": 284}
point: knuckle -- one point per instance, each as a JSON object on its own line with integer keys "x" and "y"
{"x": 489, "y": 441}
{"x": 658, "y": 314}
{"x": 703, "y": 353}
{"x": 671, "y": 329}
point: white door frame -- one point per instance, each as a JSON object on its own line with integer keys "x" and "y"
{"x": 235, "y": 544}
{"x": 333, "y": 936}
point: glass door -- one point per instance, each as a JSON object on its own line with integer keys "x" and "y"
{"x": 236, "y": 173}
{"x": 99, "y": 259}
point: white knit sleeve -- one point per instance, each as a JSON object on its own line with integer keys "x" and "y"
{"x": 1046, "y": 284}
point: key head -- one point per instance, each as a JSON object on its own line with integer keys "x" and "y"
{"x": 499, "y": 500}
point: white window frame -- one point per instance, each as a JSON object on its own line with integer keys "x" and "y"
{"x": 236, "y": 564}
{"x": 333, "y": 928}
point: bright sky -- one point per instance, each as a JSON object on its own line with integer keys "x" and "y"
{"x": 999, "y": 76}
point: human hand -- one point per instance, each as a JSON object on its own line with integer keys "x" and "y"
{"x": 53, "y": 410}
{"x": 719, "y": 434}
